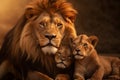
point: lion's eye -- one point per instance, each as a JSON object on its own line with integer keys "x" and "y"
{"x": 42, "y": 24}
{"x": 59, "y": 25}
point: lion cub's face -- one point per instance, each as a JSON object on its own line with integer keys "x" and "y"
{"x": 83, "y": 46}
{"x": 63, "y": 57}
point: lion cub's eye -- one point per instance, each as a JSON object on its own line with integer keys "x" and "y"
{"x": 74, "y": 44}
{"x": 85, "y": 45}
{"x": 59, "y": 25}
{"x": 42, "y": 24}
{"x": 59, "y": 54}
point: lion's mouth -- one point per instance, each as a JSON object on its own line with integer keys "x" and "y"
{"x": 49, "y": 44}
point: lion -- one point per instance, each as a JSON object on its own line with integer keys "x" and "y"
{"x": 32, "y": 43}
{"x": 90, "y": 65}
{"x": 64, "y": 59}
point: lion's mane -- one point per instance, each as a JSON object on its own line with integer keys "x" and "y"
{"x": 30, "y": 56}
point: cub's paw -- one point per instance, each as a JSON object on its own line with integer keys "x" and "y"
{"x": 62, "y": 77}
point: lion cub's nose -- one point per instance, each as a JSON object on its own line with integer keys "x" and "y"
{"x": 77, "y": 50}
{"x": 50, "y": 36}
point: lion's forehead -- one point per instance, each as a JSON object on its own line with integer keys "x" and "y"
{"x": 49, "y": 17}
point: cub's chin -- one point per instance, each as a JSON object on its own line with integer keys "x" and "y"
{"x": 49, "y": 50}
{"x": 61, "y": 66}
{"x": 79, "y": 57}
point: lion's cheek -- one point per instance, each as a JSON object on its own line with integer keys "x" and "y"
{"x": 49, "y": 50}
{"x": 56, "y": 42}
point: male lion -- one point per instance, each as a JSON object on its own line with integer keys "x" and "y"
{"x": 89, "y": 65}
{"x": 34, "y": 40}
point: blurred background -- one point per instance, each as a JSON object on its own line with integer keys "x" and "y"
{"x": 95, "y": 17}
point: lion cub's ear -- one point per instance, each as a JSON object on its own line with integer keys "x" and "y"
{"x": 93, "y": 40}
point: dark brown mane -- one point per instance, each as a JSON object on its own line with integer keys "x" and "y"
{"x": 11, "y": 48}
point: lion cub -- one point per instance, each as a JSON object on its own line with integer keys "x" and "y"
{"x": 63, "y": 57}
{"x": 89, "y": 65}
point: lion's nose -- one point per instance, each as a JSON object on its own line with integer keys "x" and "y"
{"x": 50, "y": 36}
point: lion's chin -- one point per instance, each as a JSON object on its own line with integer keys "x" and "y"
{"x": 49, "y": 50}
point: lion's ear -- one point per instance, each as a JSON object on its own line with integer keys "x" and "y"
{"x": 93, "y": 40}
{"x": 30, "y": 12}
{"x": 70, "y": 19}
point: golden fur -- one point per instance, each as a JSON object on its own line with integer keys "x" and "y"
{"x": 62, "y": 77}
{"x": 89, "y": 65}
{"x": 63, "y": 57}
{"x": 34, "y": 40}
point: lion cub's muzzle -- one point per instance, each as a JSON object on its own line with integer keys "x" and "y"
{"x": 78, "y": 54}
{"x": 62, "y": 63}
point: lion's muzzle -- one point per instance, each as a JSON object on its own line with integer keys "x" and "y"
{"x": 50, "y": 36}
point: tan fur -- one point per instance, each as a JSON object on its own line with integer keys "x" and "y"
{"x": 27, "y": 45}
{"x": 89, "y": 65}
{"x": 63, "y": 59}
{"x": 62, "y": 77}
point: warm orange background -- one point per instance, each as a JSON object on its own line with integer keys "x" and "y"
{"x": 10, "y": 11}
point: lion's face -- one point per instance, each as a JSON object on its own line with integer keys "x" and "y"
{"x": 45, "y": 24}
{"x": 83, "y": 46}
{"x": 63, "y": 57}
{"x": 47, "y": 31}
